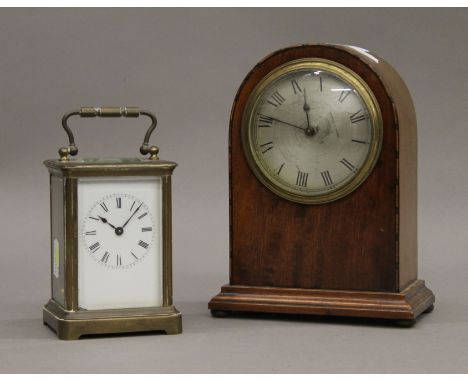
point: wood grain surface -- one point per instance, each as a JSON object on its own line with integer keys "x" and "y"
{"x": 349, "y": 244}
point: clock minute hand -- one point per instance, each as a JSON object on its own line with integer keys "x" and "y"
{"x": 287, "y": 123}
{"x": 310, "y": 130}
{"x": 132, "y": 215}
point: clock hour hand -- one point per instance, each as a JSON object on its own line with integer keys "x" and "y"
{"x": 118, "y": 230}
{"x": 105, "y": 221}
{"x": 132, "y": 215}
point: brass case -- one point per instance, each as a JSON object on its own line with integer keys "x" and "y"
{"x": 62, "y": 312}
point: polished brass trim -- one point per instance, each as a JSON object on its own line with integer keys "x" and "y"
{"x": 71, "y": 243}
{"x": 108, "y": 112}
{"x": 71, "y": 325}
{"x": 84, "y": 173}
{"x": 77, "y": 168}
{"x": 167, "y": 240}
{"x": 367, "y": 96}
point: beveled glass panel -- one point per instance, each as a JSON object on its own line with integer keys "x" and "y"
{"x": 57, "y": 239}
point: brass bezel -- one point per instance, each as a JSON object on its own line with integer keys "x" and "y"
{"x": 366, "y": 95}
{"x": 68, "y": 320}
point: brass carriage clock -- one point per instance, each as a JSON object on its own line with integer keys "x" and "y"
{"x": 110, "y": 239}
{"x": 323, "y": 189}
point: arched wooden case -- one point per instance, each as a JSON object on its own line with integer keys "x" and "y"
{"x": 356, "y": 256}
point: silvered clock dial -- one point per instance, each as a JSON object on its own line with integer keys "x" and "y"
{"x": 312, "y": 131}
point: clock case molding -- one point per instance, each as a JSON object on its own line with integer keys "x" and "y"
{"x": 62, "y": 313}
{"x": 356, "y": 256}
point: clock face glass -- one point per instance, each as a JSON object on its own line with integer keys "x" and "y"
{"x": 119, "y": 245}
{"x": 312, "y": 132}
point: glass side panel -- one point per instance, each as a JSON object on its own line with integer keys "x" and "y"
{"x": 57, "y": 240}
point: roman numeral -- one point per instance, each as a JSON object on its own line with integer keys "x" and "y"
{"x": 105, "y": 257}
{"x": 343, "y": 95}
{"x": 277, "y": 99}
{"x": 266, "y": 147}
{"x": 326, "y": 178}
{"x": 358, "y": 116}
{"x": 146, "y": 229}
{"x": 131, "y": 208}
{"x": 134, "y": 255}
{"x": 321, "y": 88}
{"x": 279, "y": 170}
{"x": 94, "y": 247}
{"x": 265, "y": 121}
{"x": 142, "y": 215}
{"x": 302, "y": 178}
{"x": 104, "y": 207}
{"x": 90, "y": 217}
{"x": 119, "y": 202}
{"x": 119, "y": 260}
{"x": 358, "y": 141}
{"x": 141, "y": 243}
{"x": 348, "y": 165}
{"x": 90, "y": 233}
{"x": 296, "y": 87}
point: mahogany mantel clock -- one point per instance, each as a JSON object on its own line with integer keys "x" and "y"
{"x": 323, "y": 189}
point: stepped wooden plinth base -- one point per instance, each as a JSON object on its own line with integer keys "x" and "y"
{"x": 71, "y": 325}
{"x": 401, "y": 306}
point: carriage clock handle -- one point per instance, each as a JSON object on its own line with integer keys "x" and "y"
{"x": 109, "y": 112}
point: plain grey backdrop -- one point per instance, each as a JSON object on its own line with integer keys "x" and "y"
{"x": 186, "y": 66}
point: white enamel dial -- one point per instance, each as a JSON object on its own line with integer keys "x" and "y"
{"x": 310, "y": 132}
{"x": 118, "y": 231}
{"x": 120, "y": 242}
